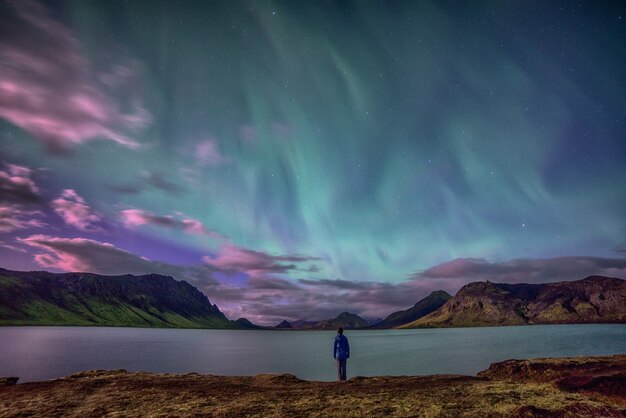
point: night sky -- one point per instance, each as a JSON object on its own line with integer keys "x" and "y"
{"x": 298, "y": 159}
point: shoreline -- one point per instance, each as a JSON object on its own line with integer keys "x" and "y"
{"x": 574, "y": 386}
{"x": 261, "y": 328}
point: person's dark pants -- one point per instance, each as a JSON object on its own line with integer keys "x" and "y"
{"x": 341, "y": 369}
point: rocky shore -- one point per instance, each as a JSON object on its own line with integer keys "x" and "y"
{"x": 556, "y": 387}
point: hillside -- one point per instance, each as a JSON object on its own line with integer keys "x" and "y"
{"x": 153, "y": 300}
{"x": 345, "y": 320}
{"x": 425, "y": 306}
{"x": 596, "y": 299}
{"x": 245, "y": 323}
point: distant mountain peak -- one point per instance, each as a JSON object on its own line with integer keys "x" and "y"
{"x": 345, "y": 320}
{"x": 430, "y": 303}
{"x": 284, "y": 325}
{"x": 245, "y": 323}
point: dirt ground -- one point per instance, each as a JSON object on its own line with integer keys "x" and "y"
{"x": 567, "y": 387}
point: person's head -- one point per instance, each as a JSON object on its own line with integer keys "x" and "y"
{"x": 339, "y": 330}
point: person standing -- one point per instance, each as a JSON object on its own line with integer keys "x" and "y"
{"x": 341, "y": 353}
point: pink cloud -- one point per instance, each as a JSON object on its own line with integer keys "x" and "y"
{"x": 17, "y": 187}
{"x": 20, "y": 171}
{"x": 232, "y": 259}
{"x": 13, "y": 218}
{"x": 12, "y": 247}
{"x": 61, "y": 254}
{"x": 74, "y": 211}
{"x": 137, "y": 217}
{"x": 134, "y": 217}
{"x": 87, "y": 255}
{"x": 49, "y": 89}
{"x": 193, "y": 226}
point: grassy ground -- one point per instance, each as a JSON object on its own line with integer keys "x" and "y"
{"x": 585, "y": 386}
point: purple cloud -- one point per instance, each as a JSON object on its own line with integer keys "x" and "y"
{"x": 87, "y": 255}
{"x": 17, "y": 187}
{"x": 48, "y": 89}
{"x": 13, "y": 218}
{"x": 12, "y": 247}
{"x": 137, "y": 217}
{"x": 232, "y": 259}
{"x": 149, "y": 179}
{"x": 75, "y": 212}
{"x": 18, "y": 195}
{"x": 269, "y": 300}
{"x": 556, "y": 269}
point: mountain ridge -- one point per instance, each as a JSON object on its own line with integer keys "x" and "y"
{"x": 154, "y": 300}
{"x": 423, "y": 307}
{"x": 595, "y": 299}
{"x": 151, "y": 300}
{"x": 345, "y": 320}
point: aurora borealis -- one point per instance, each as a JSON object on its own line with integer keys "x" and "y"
{"x": 298, "y": 159}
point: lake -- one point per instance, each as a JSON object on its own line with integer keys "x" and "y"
{"x": 38, "y": 353}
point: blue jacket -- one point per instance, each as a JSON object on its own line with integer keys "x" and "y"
{"x": 341, "y": 348}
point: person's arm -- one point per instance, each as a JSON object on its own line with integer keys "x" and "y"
{"x": 335, "y": 349}
{"x": 347, "y": 349}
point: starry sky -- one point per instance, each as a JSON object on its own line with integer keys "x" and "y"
{"x": 299, "y": 159}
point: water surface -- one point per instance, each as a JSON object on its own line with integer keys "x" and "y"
{"x": 37, "y": 353}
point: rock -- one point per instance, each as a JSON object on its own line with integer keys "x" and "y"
{"x": 531, "y": 411}
{"x": 276, "y": 378}
{"x": 96, "y": 373}
{"x": 8, "y": 381}
{"x": 611, "y": 385}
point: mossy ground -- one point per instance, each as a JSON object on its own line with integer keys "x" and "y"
{"x": 119, "y": 393}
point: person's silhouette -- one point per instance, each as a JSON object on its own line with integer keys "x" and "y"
{"x": 341, "y": 353}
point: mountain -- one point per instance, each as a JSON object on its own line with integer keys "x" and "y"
{"x": 425, "y": 306}
{"x": 346, "y": 320}
{"x": 246, "y": 324}
{"x": 373, "y": 320}
{"x": 303, "y": 324}
{"x": 284, "y": 325}
{"x": 153, "y": 300}
{"x": 596, "y": 299}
